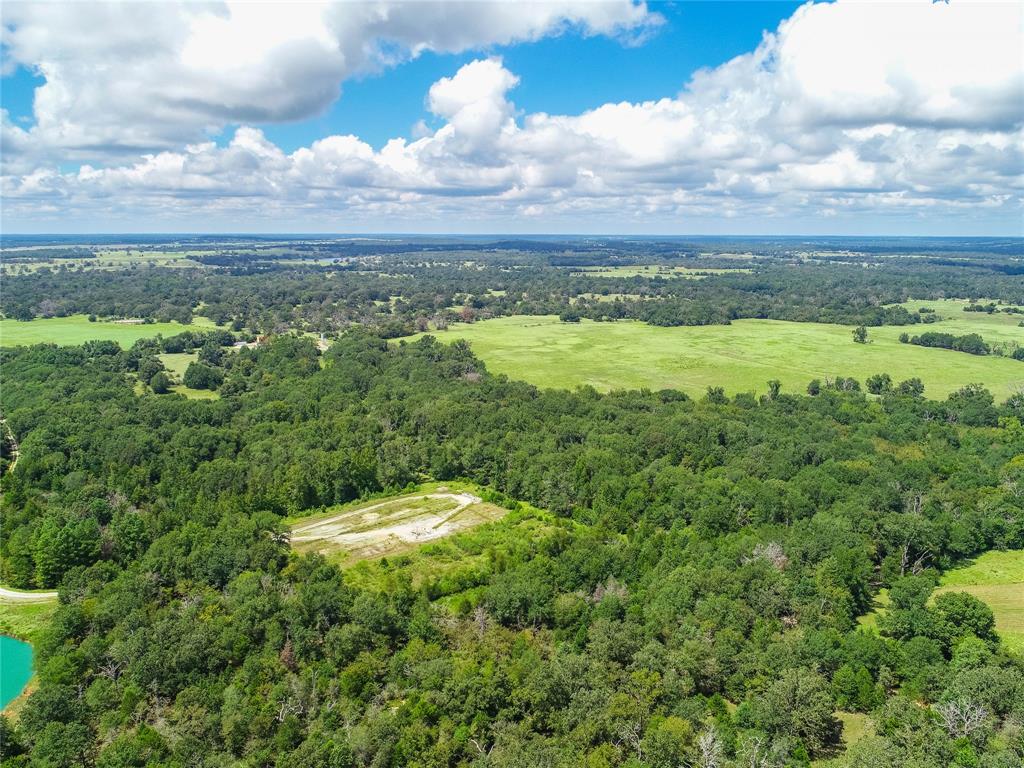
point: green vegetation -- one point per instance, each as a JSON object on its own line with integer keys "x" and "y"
{"x": 76, "y": 329}
{"x": 177, "y": 362}
{"x": 374, "y": 554}
{"x": 996, "y": 578}
{"x": 995, "y": 328}
{"x": 658, "y": 270}
{"x": 26, "y": 620}
{"x": 741, "y": 357}
{"x": 691, "y": 589}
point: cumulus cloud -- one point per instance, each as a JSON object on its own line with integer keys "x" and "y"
{"x": 132, "y": 76}
{"x": 848, "y": 109}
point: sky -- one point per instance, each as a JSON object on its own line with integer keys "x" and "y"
{"x": 568, "y": 116}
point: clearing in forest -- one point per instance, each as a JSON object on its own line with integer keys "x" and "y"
{"x": 741, "y": 357}
{"x": 997, "y": 579}
{"x": 391, "y": 526}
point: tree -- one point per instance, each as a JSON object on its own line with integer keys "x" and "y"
{"x": 211, "y": 352}
{"x": 799, "y": 704}
{"x": 202, "y": 376}
{"x": 912, "y": 387}
{"x": 860, "y": 334}
{"x": 160, "y": 383}
{"x": 961, "y": 718}
{"x": 879, "y": 384}
{"x": 960, "y": 614}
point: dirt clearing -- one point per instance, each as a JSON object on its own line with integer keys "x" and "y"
{"x": 391, "y": 526}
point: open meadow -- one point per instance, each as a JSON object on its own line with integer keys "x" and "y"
{"x": 996, "y": 578}
{"x": 740, "y": 357}
{"x": 76, "y": 329}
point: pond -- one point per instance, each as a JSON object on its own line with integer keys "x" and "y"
{"x": 15, "y": 668}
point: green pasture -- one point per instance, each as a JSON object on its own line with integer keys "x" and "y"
{"x": 999, "y": 327}
{"x": 997, "y": 578}
{"x": 76, "y": 329}
{"x": 176, "y": 364}
{"x": 740, "y": 357}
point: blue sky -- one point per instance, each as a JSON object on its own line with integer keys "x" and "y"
{"x": 568, "y": 73}
{"x": 559, "y": 75}
{"x": 618, "y": 116}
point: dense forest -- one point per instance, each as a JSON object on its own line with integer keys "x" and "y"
{"x": 693, "y": 602}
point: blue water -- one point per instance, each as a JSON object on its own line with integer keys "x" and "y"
{"x": 15, "y": 668}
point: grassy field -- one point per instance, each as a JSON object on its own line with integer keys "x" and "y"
{"x": 870, "y": 620}
{"x": 177, "y": 363}
{"x": 654, "y": 270}
{"x": 76, "y": 329}
{"x": 393, "y": 525}
{"x": 454, "y": 567}
{"x": 740, "y": 357}
{"x": 997, "y": 578}
{"x": 995, "y": 328}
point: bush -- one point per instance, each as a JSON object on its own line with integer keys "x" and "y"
{"x": 202, "y": 376}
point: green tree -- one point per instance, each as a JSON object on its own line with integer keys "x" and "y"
{"x": 879, "y": 384}
{"x": 160, "y": 383}
{"x": 799, "y": 704}
{"x": 202, "y": 376}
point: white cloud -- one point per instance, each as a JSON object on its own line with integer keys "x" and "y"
{"x": 132, "y": 76}
{"x": 849, "y": 111}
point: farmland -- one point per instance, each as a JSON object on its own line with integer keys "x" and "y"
{"x": 740, "y": 357}
{"x": 76, "y": 329}
{"x": 657, "y": 270}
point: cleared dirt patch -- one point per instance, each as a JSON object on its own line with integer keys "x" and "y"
{"x": 391, "y": 526}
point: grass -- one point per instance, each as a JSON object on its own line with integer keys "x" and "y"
{"x": 76, "y": 329}
{"x": 458, "y": 564}
{"x": 109, "y": 259}
{"x": 856, "y": 725}
{"x": 880, "y": 603}
{"x": 997, "y": 578}
{"x": 177, "y": 363}
{"x": 740, "y": 357}
{"x": 998, "y": 327}
{"x": 25, "y": 621}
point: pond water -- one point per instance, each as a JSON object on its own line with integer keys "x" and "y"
{"x": 15, "y": 668}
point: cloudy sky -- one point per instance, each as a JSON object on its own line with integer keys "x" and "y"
{"x": 565, "y": 116}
